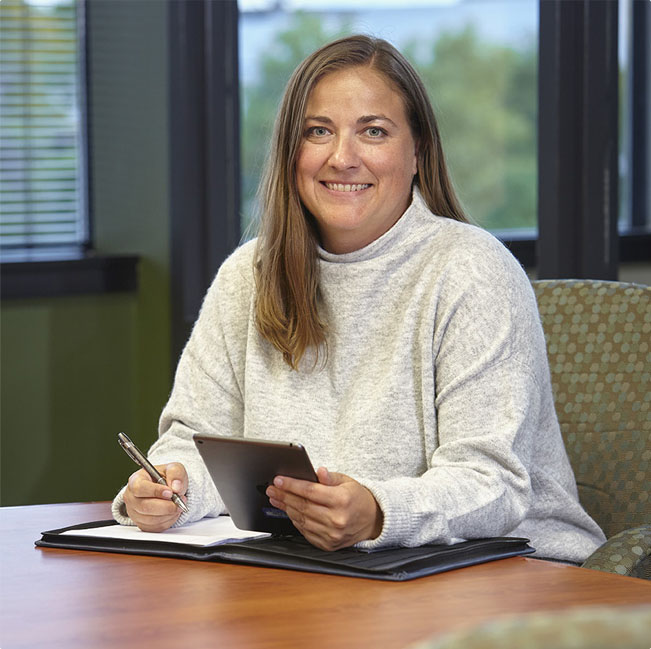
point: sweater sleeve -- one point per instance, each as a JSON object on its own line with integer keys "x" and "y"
{"x": 489, "y": 362}
{"x": 207, "y": 392}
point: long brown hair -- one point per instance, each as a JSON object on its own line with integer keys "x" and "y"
{"x": 287, "y": 271}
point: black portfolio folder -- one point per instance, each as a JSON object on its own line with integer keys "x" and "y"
{"x": 295, "y": 553}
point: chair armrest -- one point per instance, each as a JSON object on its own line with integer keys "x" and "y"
{"x": 627, "y": 553}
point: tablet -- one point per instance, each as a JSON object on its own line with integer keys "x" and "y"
{"x": 242, "y": 469}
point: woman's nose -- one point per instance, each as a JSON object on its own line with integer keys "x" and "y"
{"x": 344, "y": 154}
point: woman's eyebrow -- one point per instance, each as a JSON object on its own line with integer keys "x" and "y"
{"x": 318, "y": 118}
{"x": 364, "y": 119}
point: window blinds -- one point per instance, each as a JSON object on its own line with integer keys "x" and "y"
{"x": 41, "y": 161}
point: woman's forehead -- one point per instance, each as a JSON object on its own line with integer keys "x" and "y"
{"x": 359, "y": 89}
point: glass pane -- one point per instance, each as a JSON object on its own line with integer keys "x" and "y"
{"x": 41, "y": 164}
{"x": 478, "y": 59}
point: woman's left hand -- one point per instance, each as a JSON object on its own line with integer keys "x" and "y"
{"x": 334, "y": 513}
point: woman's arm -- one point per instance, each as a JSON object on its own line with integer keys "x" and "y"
{"x": 207, "y": 392}
{"x": 494, "y": 409}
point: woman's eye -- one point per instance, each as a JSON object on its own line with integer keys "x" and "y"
{"x": 318, "y": 131}
{"x": 375, "y": 131}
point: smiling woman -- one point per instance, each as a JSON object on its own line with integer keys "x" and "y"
{"x": 400, "y": 345}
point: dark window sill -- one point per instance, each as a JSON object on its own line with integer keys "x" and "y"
{"x": 634, "y": 246}
{"x": 522, "y": 247}
{"x": 56, "y": 273}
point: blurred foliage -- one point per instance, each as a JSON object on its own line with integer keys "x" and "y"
{"x": 484, "y": 95}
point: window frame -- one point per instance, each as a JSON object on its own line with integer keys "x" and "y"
{"x": 205, "y": 152}
{"x": 578, "y": 140}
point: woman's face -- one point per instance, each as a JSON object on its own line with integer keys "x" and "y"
{"x": 357, "y": 158}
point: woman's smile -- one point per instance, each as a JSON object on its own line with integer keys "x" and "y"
{"x": 347, "y": 188}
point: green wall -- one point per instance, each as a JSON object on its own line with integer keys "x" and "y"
{"x": 77, "y": 370}
{"x": 68, "y": 379}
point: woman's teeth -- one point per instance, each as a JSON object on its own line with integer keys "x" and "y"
{"x": 338, "y": 187}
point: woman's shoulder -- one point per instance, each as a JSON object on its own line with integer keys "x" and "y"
{"x": 469, "y": 241}
{"x": 237, "y": 268}
{"x": 467, "y": 247}
{"x": 240, "y": 260}
{"x": 456, "y": 240}
{"x": 462, "y": 259}
{"x": 234, "y": 281}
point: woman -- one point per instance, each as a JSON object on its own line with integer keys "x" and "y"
{"x": 370, "y": 322}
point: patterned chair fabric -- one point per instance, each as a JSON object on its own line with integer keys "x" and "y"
{"x": 626, "y": 553}
{"x": 599, "y": 346}
{"x": 596, "y": 627}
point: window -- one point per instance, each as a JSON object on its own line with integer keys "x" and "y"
{"x": 478, "y": 59}
{"x": 42, "y": 167}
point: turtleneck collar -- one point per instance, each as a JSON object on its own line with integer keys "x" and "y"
{"x": 384, "y": 243}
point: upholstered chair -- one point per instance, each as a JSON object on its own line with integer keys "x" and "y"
{"x": 599, "y": 346}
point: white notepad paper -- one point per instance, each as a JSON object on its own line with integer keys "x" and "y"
{"x": 207, "y": 531}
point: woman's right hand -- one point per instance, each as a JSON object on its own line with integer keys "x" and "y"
{"x": 149, "y": 505}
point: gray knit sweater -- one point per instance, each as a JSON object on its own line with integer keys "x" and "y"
{"x": 435, "y": 395}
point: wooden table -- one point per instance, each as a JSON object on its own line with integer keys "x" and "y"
{"x": 91, "y": 600}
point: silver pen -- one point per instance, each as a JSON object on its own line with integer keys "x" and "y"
{"x": 137, "y": 456}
